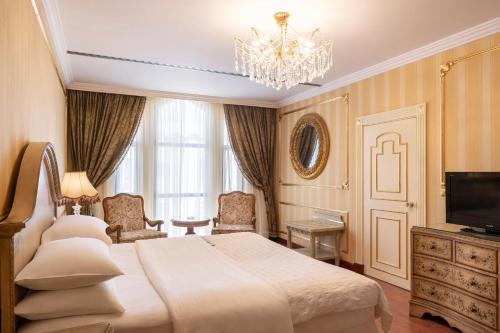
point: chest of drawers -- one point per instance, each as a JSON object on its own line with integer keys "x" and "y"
{"x": 455, "y": 277}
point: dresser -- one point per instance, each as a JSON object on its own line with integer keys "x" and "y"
{"x": 455, "y": 276}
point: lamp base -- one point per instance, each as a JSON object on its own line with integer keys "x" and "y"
{"x": 76, "y": 209}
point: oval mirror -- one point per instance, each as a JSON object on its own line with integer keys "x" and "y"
{"x": 309, "y": 146}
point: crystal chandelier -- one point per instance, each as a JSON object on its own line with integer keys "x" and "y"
{"x": 283, "y": 62}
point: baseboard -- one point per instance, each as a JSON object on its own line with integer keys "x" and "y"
{"x": 355, "y": 267}
{"x": 358, "y": 268}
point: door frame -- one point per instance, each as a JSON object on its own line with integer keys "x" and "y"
{"x": 416, "y": 111}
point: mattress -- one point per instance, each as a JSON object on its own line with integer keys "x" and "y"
{"x": 145, "y": 311}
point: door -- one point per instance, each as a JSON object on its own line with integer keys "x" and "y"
{"x": 393, "y": 192}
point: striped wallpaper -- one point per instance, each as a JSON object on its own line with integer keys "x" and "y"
{"x": 472, "y": 130}
{"x": 32, "y": 101}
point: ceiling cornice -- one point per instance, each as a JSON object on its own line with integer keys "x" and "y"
{"x": 51, "y": 15}
{"x": 455, "y": 40}
{"x": 157, "y": 93}
{"x": 57, "y": 38}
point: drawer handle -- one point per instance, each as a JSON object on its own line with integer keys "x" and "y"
{"x": 473, "y": 283}
{"x": 431, "y": 269}
{"x": 473, "y": 308}
{"x": 433, "y": 247}
{"x": 473, "y": 256}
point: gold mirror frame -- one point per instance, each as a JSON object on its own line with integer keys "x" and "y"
{"x": 316, "y": 121}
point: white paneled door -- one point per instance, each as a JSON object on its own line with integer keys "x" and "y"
{"x": 393, "y": 191}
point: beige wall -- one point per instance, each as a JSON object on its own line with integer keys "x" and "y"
{"x": 472, "y": 130}
{"x": 32, "y": 101}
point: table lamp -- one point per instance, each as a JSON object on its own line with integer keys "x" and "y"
{"x": 77, "y": 189}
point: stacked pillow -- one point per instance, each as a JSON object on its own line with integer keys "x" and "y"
{"x": 71, "y": 272}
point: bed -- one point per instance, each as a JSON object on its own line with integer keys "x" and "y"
{"x": 219, "y": 283}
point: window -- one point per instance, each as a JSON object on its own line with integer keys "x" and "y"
{"x": 127, "y": 175}
{"x": 232, "y": 179}
{"x": 187, "y": 161}
{"x": 184, "y": 160}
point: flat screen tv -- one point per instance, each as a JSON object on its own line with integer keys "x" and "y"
{"x": 473, "y": 199}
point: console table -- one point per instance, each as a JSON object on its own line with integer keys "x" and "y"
{"x": 314, "y": 228}
{"x": 456, "y": 277}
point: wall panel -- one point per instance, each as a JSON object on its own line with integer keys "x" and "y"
{"x": 32, "y": 102}
{"x": 472, "y": 123}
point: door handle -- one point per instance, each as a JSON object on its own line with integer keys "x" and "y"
{"x": 410, "y": 204}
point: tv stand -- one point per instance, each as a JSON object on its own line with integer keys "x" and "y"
{"x": 455, "y": 276}
{"x": 478, "y": 234}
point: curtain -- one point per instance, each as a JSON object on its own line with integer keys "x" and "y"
{"x": 101, "y": 127}
{"x": 252, "y": 133}
{"x": 187, "y": 160}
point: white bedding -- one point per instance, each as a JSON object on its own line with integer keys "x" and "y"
{"x": 145, "y": 311}
{"x": 313, "y": 288}
{"x": 207, "y": 292}
{"x": 322, "y": 298}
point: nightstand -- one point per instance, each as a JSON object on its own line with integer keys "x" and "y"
{"x": 93, "y": 328}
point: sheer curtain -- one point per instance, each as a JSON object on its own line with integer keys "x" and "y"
{"x": 180, "y": 161}
{"x": 187, "y": 170}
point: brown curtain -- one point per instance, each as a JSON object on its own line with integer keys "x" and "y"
{"x": 101, "y": 128}
{"x": 252, "y": 133}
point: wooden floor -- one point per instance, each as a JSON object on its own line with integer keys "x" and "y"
{"x": 402, "y": 322}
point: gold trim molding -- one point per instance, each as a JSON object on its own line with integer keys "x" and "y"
{"x": 313, "y": 207}
{"x": 444, "y": 69}
{"x": 345, "y": 184}
{"x": 331, "y": 187}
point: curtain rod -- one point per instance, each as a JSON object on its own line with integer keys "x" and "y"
{"x": 154, "y": 63}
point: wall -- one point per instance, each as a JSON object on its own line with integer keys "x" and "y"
{"x": 472, "y": 130}
{"x": 32, "y": 101}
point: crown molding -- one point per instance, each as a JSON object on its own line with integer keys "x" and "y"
{"x": 165, "y": 94}
{"x": 479, "y": 31}
{"x": 49, "y": 10}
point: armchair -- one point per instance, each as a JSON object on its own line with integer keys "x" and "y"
{"x": 236, "y": 213}
{"x": 127, "y": 222}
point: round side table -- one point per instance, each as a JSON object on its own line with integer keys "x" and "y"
{"x": 190, "y": 223}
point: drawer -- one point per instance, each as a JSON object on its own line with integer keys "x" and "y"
{"x": 432, "y": 246}
{"x": 475, "y": 283}
{"x": 470, "y": 307}
{"x": 477, "y": 257}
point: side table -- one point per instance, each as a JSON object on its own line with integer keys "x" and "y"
{"x": 190, "y": 223}
{"x": 314, "y": 228}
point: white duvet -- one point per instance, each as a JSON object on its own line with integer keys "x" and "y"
{"x": 205, "y": 291}
{"x": 246, "y": 283}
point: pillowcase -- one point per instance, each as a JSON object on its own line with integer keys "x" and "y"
{"x": 98, "y": 299}
{"x": 68, "y": 263}
{"x": 69, "y": 226}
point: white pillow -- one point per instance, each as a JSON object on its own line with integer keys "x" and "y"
{"x": 98, "y": 299}
{"x": 68, "y": 263}
{"x": 69, "y": 226}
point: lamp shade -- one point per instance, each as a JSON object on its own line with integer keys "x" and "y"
{"x": 76, "y": 187}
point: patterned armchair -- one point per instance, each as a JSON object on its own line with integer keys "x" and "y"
{"x": 236, "y": 213}
{"x": 127, "y": 222}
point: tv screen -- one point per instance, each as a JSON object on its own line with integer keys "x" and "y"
{"x": 473, "y": 199}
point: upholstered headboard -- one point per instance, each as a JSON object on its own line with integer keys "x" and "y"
{"x": 34, "y": 209}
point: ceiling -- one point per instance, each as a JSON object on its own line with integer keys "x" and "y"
{"x": 200, "y": 33}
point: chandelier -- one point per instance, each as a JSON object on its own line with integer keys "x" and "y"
{"x": 285, "y": 61}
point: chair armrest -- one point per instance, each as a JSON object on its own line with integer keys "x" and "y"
{"x": 216, "y": 220}
{"x": 155, "y": 223}
{"x": 115, "y": 228}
